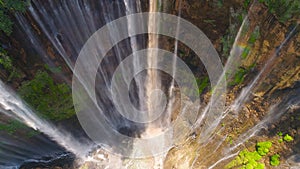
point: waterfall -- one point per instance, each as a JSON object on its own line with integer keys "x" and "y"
{"x": 67, "y": 25}
{"x": 59, "y": 32}
{"x": 135, "y": 46}
{"x": 153, "y": 80}
{"x": 175, "y": 49}
{"x": 231, "y": 66}
{"x": 67, "y": 36}
{"x": 13, "y": 107}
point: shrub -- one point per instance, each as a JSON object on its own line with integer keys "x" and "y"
{"x": 246, "y": 160}
{"x": 274, "y": 160}
{"x": 288, "y": 138}
{"x": 263, "y": 147}
{"x": 250, "y": 160}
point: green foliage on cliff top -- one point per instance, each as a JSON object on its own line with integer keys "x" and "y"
{"x": 50, "y": 100}
{"x": 10, "y": 6}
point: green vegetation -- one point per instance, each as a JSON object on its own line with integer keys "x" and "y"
{"x": 250, "y": 159}
{"x": 220, "y": 3}
{"x": 53, "y": 69}
{"x": 252, "y": 39}
{"x": 284, "y": 10}
{"x": 229, "y": 139}
{"x": 274, "y": 160}
{"x": 254, "y": 36}
{"x": 50, "y": 100}
{"x": 239, "y": 76}
{"x": 32, "y": 133}
{"x": 8, "y": 7}
{"x": 202, "y": 83}
{"x": 6, "y": 63}
{"x": 228, "y": 38}
{"x": 226, "y": 44}
{"x": 246, "y": 52}
{"x": 12, "y": 126}
{"x": 263, "y": 147}
{"x": 5, "y": 60}
{"x": 247, "y": 3}
{"x": 246, "y": 159}
{"x": 288, "y": 138}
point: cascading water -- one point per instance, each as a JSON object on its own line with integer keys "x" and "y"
{"x": 13, "y": 107}
{"x": 60, "y": 29}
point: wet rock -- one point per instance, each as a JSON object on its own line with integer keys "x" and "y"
{"x": 294, "y": 161}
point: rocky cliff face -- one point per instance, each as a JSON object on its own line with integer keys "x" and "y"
{"x": 260, "y": 41}
{"x": 284, "y": 71}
